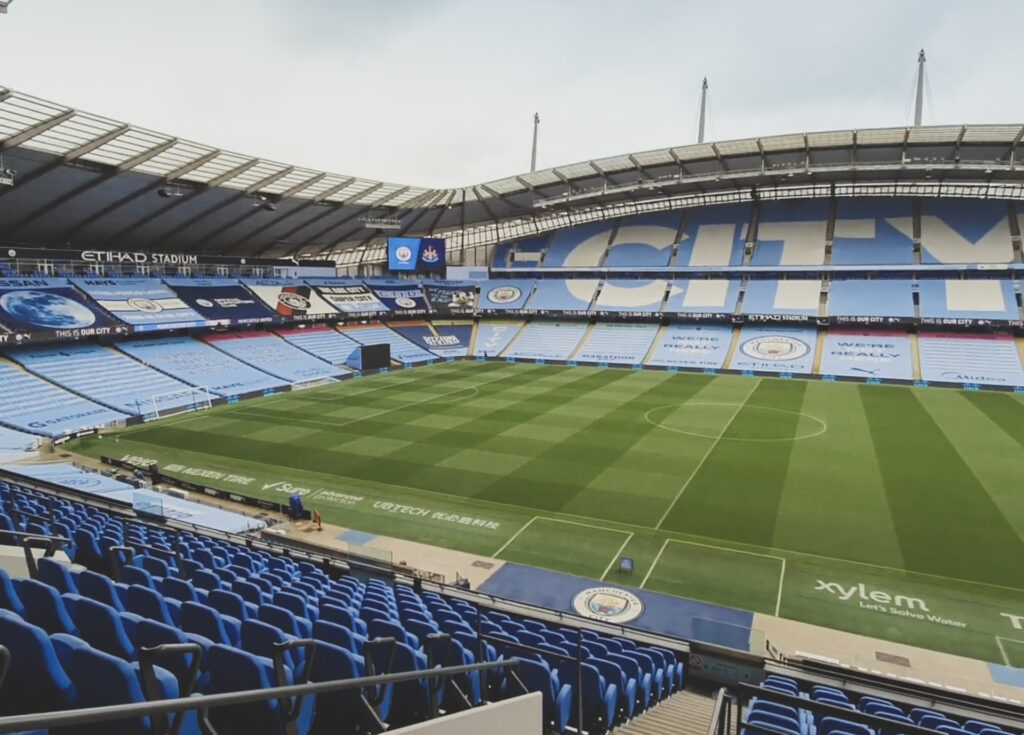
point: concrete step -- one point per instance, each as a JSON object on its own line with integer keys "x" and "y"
{"x": 685, "y": 713}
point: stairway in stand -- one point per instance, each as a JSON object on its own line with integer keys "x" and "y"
{"x": 685, "y": 713}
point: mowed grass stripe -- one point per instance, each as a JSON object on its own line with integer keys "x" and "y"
{"x": 945, "y": 521}
{"x": 837, "y": 469}
{"x": 736, "y": 493}
{"x": 992, "y": 454}
{"x": 603, "y": 438}
{"x": 543, "y": 483}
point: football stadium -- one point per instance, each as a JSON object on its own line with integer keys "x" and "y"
{"x": 725, "y": 437}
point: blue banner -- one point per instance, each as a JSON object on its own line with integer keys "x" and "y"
{"x": 50, "y": 305}
{"x": 142, "y": 302}
{"x": 222, "y": 300}
{"x": 867, "y": 355}
{"x": 775, "y": 350}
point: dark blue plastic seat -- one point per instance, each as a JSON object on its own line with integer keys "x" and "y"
{"x": 180, "y": 590}
{"x": 9, "y": 599}
{"x": 338, "y": 635}
{"x": 43, "y": 607}
{"x": 410, "y": 703}
{"x": 341, "y": 713}
{"x": 207, "y": 622}
{"x": 100, "y": 626}
{"x": 151, "y": 604}
{"x": 56, "y": 574}
{"x": 614, "y": 674}
{"x": 36, "y": 680}
{"x": 377, "y": 628}
{"x": 342, "y": 616}
{"x": 537, "y": 677}
{"x": 837, "y": 726}
{"x": 231, "y": 603}
{"x": 99, "y": 587}
{"x": 286, "y": 620}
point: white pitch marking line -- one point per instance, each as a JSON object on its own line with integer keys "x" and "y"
{"x": 612, "y": 562}
{"x": 778, "y": 599}
{"x": 585, "y": 525}
{"x": 706, "y": 455}
{"x": 1002, "y": 649}
{"x": 654, "y": 563}
{"x": 514, "y": 537}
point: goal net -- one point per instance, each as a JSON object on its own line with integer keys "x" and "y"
{"x": 180, "y": 401}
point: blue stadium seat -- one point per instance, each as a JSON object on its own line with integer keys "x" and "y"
{"x": 36, "y": 681}
{"x": 286, "y": 620}
{"x": 9, "y": 599}
{"x": 536, "y": 676}
{"x": 338, "y": 635}
{"x": 207, "y": 622}
{"x": 410, "y": 703}
{"x": 180, "y": 590}
{"x": 231, "y": 603}
{"x": 99, "y": 587}
{"x": 56, "y": 574}
{"x": 342, "y": 713}
{"x": 43, "y": 607}
{"x": 151, "y": 604}
{"x": 100, "y": 626}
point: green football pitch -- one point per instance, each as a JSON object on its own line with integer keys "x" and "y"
{"x": 888, "y": 511}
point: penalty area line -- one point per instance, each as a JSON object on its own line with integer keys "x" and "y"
{"x": 654, "y": 563}
{"x": 514, "y": 537}
{"x": 1002, "y": 649}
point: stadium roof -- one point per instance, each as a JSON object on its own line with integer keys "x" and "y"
{"x": 88, "y": 181}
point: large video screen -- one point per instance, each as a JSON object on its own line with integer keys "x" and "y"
{"x": 416, "y": 253}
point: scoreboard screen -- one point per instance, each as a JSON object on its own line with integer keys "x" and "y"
{"x": 416, "y": 254}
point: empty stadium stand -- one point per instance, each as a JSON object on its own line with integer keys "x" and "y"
{"x": 624, "y": 295}
{"x": 968, "y": 299}
{"x": 547, "y": 341}
{"x": 714, "y": 236}
{"x": 969, "y": 358}
{"x": 34, "y": 405}
{"x": 959, "y": 231}
{"x": 801, "y": 297}
{"x": 873, "y": 232}
{"x": 644, "y": 241}
{"x": 274, "y": 356}
{"x": 881, "y": 298}
{"x": 505, "y": 295}
{"x": 583, "y": 246}
{"x": 402, "y": 350}
{"x": 867, "y": 355}
{"x": 680, "y": 345}
{"x": 325, "y": 343}
{"x": 107, "y": 376}
{"x": 196, "y": 363}
{"x": 443, "y": 340}
{"x": 693, "y": 296}
{"x": 563, "y": 295}
{"x": 618, "y": 344}
{"x": 493, "y": 337}
{"x": 791, "y": 233}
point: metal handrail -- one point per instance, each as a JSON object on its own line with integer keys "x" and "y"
{"x": 721, "y": 715}
{"x": 85, "y": 716}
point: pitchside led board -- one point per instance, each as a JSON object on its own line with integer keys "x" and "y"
{"x": 416, "y": 254}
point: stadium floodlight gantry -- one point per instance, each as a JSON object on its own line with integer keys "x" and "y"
{"x": 148, "y": 190}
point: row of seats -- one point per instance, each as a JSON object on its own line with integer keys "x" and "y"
{"x": 783, "y": 718}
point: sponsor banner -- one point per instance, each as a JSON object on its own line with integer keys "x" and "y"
{"x": 867, "y": 355}
{"x": 930, "y": 321}
{"x": 141, "y": 302}
{"x": 775, "y": 350}
{"x": 692, "y": 347}
{"x": 51, "y": 306}
{"x": 352, "y": 298}
{"x": 406, "y": 297}
{"x": 874, "y": 321}
{"x": 505, "y": 295}
{"x": 290, "y": 299}
{"x": 127, "y": 257}
{"x": 970, "y": 359}
{"x": 221, "y": 300}
{"x": 451, "y": 299}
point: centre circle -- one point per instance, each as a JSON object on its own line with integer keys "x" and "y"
{"x": 711, "y": 420}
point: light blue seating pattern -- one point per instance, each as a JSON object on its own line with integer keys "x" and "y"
{"x": 12, "y": 441}
{"x": 449, "y": 340}
{"x": 328, "y": 344}
{"x": 558, "y": 294}
{"x": 402, "y": 350}
{"x": 106, "y": 376}
{"x": 865, "y": 233}
{"x": 867, "y": 355}
{"x": 775, "y": 349}
{"x": 680, "y": 345}
{"x": 644, "y": 241}
{"x": 965, "y": 231}
{"x": 714, "y": 236}
{"x": 791, "y": 233}
{"x": 694, "y": 296}
{"x": 493, "y": 337}
{"x": 35, "y": 405}
{"x": 871, "y": 298}
{"x": 505, "y": 295}
{"x": 196, "y": 363}
{"x": 621, "y": 344}
{"x": 528, "y": 253}
{"x": 762, "y": 297}
{"x": 271, "y": 354}
{"x": 582, "y": 246}
{"x": 974, "y": 359}
{"x": 985, "y": 299}
{"x": 547, "y": 341}
{"x": 623, "y": 294}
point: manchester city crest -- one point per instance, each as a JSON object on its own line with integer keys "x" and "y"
{"x": 610, "y": 604}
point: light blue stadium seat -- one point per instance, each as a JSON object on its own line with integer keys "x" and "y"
{"x": 272, "y": 355}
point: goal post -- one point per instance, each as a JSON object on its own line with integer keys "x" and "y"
{"x": 175, "y": 402}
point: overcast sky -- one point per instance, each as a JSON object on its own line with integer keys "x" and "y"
{"x": 442, "y": 92}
